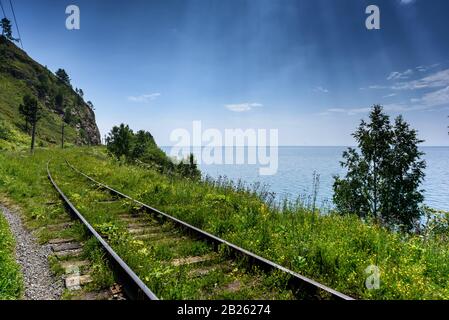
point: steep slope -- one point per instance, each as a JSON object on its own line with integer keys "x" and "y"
{"x": 21, "y": 75}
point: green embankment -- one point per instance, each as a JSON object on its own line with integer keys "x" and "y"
{"x": 335, "y": 250}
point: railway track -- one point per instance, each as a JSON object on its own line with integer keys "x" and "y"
{"x": 203, "y": 265}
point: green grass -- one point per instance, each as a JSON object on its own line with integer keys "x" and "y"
{"x": 10, "y": 276}
{"x": 334, "y": 250}
{"x": 152, "y": 260}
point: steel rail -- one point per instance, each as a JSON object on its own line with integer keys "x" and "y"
{"x": 133, "y": 287}
{"x": 296, "y": 280}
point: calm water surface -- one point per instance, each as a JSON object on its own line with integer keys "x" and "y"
{"x": 297, "y": 164}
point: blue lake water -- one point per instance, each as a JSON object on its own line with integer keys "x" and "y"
{"x": 294, "y": 176}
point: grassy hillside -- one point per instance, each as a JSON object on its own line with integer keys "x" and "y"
{"x": 20, "y": 75}
{"x": 335, "y": 250}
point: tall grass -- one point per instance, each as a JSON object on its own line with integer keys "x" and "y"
{"x": 10, "y": 276}
{"x": 333, "y": 249}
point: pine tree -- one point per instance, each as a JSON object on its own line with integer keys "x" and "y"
{"x": 7, "y": 29}
{"x": 31, "y": 112}
{"x": 63, "y": 76}
{"x": 384, "y": 174}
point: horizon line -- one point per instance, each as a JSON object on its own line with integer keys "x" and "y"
{"x": 290, "y": 146}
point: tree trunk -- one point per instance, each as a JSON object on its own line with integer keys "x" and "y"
{"x": 62, "y": 137}
{"x": 375, "y": 191}
{"x": 33, "y": 137}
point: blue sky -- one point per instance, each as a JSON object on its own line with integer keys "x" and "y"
{"x": 308, "y": 68}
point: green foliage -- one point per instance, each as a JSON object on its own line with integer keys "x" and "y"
{"x": 31, "y": 112}
{"x": 29, "y": 109}
{"x": 59, "y": 101}
{"x": 62, "y": 75}
{"x": 20, "y": 76}
{"x": 332, "y": 249}
{"x": 11, "y": 283}
{"x": 188, "y": 168}
{"x": 90, "y": 105}
{"x": 4, "y": 132}
{"x": 437, "y": 224}
{"x": 141, "y": 148}
{"x": 120, "y": 141}
{"x": 384, "y": 174}
{"x": 7, "y": 29}
{"x": 43, "y": 86}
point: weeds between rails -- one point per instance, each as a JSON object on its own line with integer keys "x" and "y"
{"x": 201, "y": 269}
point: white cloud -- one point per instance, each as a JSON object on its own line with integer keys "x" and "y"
{"x": 400, "y": 75}
{"x": 321, "y": 90}
{"x": 435, "y": 98}
{"x": 438, "y": 79}
{"x": 349, "y": 111}
{"x": 429, "y": 101}
{"x": 427, "y": 68}
{"x": 378, "y": 87}
{"x": 435, "y": 80}
{"x": 390, "y": 95}
{"x": 243, "y": 107}
{"x": 144, "y": 98}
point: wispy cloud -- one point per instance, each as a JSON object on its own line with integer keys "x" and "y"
{"x": 405, "y": 2}
{"x": 435, "y": 80}
{"x": 242, "y": 107}
{"x": 320, "y": 89}
{"x": 390, "y": 95}
{"x": 427, "y": 68}
{"x": 400, "y": 75}
{"x": 144, "y": 98}
{"x": 435, "y": 98}
{"x": 438, "y": 79}
{"x": 429, "y": 101}
{"x": 378, "y": 87}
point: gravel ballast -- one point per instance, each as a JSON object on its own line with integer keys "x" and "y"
{"x": 40, "y": 284}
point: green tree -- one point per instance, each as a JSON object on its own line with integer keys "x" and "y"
{"x": 383, "y": 174}
{"x": 59, "y": 101}
{"x": 143, "y": 140}
{"x": 68, "y": 116}
{"x": 7, "y": 29}
{"x": 63, "y": 76}
{"x": 25, "y": 112}
{"x": 91, "y": 105}
{"x": 120, "y": 141}
{"x": 43, "y": 86}
{"x": 31, "y": 112}
{"x": 405, "y": 173}
{"x": 188, "y": 168}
